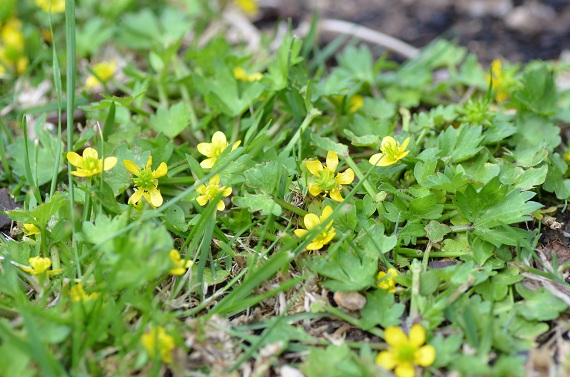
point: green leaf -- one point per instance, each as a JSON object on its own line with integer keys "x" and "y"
{"x": 329, "y": 145}
{"x": 539, "y": 305}
{"x": 172, "y": 121}
{"x": 538, "y": 91}
{"x": 264, "y": 176}
{"x": 555, "y": 181}
{"x": 462, "y": 143}
{"x": 333, "y": 361}
{"x": 258, "y": 202}
{"x": 436, "y": 231}
{"x": 381, "y": 310}
{"x": 288, "y": 55}
{"x": 346, "y": 270}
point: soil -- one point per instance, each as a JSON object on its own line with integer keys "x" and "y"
{"x": 515, "y": 30}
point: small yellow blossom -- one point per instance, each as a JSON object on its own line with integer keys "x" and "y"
{"x": 242, "y": 75}
{"x": 180, "y": 265}
{"x": 404, "y": 352}
{"x": 391, "y": 152}
{"x": 30, "y": 230}
{"x": 504, "y": 80}
{"x": 39, "y": 265}
{"x": 325, "y": 179}
{"x": 355, "y": 103}
{"x": 387, "y": 282}
{"x": 52, "y": 6}
{"x": 157, "y": 341}
{"x": 12, "y": 52}
{"x": 77, "y": 293}
{"x": 102, "y": 73}
{"x": 90, "y": 164}
{"x": 211, "y": 191}
{"x": 311, "y": 221}
{"x": 146, "y": 182}
{"x": 248, "y": 6}
{"x": 214, "y": 149}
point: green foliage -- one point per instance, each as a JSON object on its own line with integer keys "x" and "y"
{"x": 242, "y": 276}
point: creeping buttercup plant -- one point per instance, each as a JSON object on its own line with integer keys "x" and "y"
{"x": 195, "y": 219}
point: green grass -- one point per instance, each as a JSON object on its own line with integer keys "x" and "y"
{"x": 470, "y": 170}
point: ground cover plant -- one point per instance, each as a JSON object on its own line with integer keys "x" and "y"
{"x": 183, "y": 199}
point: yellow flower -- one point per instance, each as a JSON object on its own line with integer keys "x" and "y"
{"x": 248, "y": 6}
{"x": 405, "y": 352}
{"x": 146, "y": 182}
{"x": 52, "y": 6}
{"x": 77, "y": 293}
{"x": 325, "y": 178}
{"x": 102, "y": 73}
{"x": 89, "y": 164}
{"x": 211, "y": 191}
{"x": 157, "y": 341}
{"x": 387, "y": 282}
{"x": 241, "y": 74}
{"x": 214, "y": 149}
{"x": 12, "y": 47}
{"x": 355, "y": 103}
{"x": 39, "y": 265}
{"x": 311, "y": 221}
{"x": 504, "y": 80}
{"x": 180, "y": 265}
{"x": 391, "y": 152}
{"x": 30, "y": 230}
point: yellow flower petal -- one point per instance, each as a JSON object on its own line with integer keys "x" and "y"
{"x": 205, "y": 149}
{"x": 327, "y": 211}
{"x": 405, "y": 144}
{"x": 386, "y": 360}
{"x": 202, "y": 189}
{"x": 136, "y": 197}
{"x": 218, "y": 138}
{"x": 132, "y": 167}
{"x": 332, "y": 160}
{"x": 314, "y": 189}
{"x": 227, "y": 191}
{"x": 90, "y": 153}
{"x": 109, "y": 163}
{"x": 220, "y": 206}
{"x": 155, "y": 198}
{"x": 74, "y": 159}
{"x": 335, "y": 195}
{"x": 235, "y": 145}
{"x": 208, "y": 163}
{"x": 314, "y": 166}
{"x": 160, "y": 171}
{"x": 425, "y": 356}
{"x": 388, "y": 142}
{"x": 405, "y": 370}
{"x": 330, "y": 235}
{"x": 215, "y": 180}
{"x": 395, "y": 337}
{"x": 311, "y": 220}
{"x": 345, "y": 177}
{"x": 315, "y": 245}
{"x": 376, "y": 158}
{"x": 202, "y": 200}
{"x": 417, "y": 335}
{"x": 300, "y": 232}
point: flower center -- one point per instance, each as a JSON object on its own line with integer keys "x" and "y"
{"x": 91, "y": 164}
{"x": 406, "y": 353}
{"x": 218, "y": 149}
{"x": 212, "y": 192}
{"x": 145, "y": 180}
{"x": 325, "y": 180}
